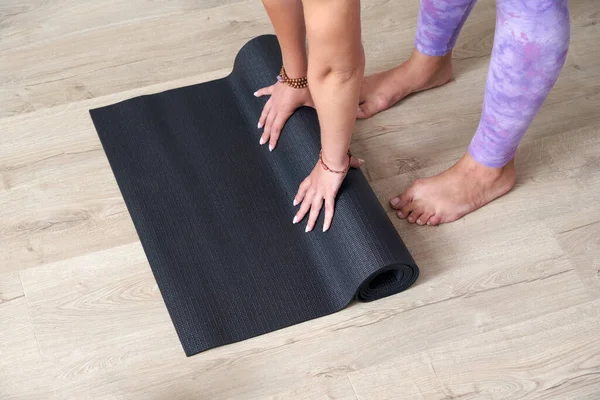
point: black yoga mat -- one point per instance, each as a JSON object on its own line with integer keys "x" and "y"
{"x": 214, "y": 211}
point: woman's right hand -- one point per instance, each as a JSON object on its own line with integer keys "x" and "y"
{"x": 282, "y": 104}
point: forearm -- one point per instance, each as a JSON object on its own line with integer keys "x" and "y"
{"x": 336, "y": 68}
{"x": 287, "y": 17}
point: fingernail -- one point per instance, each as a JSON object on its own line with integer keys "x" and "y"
{"x": 295, "y": 203}
{"x": 270, "y": 147}
{"x": 307, "y": 230}
{"x": 324, "y": 228}
{"x": 259, "y": 125}
{"x": 262, "y": 141}
{"x": 395, "y": 201}
{"x": 295, "y": 221}
{"x": 256, "y": 94}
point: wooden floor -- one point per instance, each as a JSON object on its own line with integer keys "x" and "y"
{"x": 508, "y": 303}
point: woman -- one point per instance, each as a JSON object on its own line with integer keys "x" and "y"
{"x": 530, "y": 47}
{"x": 334, "y": 67}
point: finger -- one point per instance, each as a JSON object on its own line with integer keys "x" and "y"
{"x": 356, "y": 162}
{"x": 315, "y": 210}
{"x": 264, "y": 91}
{"x": 306, "y": 202}
{"x": 329, "y": 209}
{"x": 278, "y": 124}
{"x": 267, "y": 132}
{"x": 301, "y": 192}
{"x": 264, "y": 114}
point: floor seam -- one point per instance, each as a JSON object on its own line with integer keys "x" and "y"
{"x": 464, "y": 295}
{"x": 353, "y": 388}
{"x": 35, "y": 336}
{"x": 560, "y": 246}
{"x": 4, "y": 301}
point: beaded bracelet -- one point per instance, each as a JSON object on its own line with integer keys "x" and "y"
{"x": 326, "y": 168}
{"x": 296, "y": 83}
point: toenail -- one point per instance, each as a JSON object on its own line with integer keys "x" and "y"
{"x": 428, "y": 223}
{"x": 419, "y": 221}
{"x": 395, "y": 201}
{"x": 400, "y": 213}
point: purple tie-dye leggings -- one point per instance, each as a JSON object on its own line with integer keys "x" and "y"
{"x": 530, "y": 47}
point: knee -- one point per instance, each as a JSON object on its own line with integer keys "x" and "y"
{"x": 538, "y": 25}
{"x": 547, "y": 18}
{"x": 341, "y": 74}
{"x": 340, "y": 71}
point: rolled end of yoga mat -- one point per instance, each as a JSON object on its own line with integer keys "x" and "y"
{"x": 213, "y": 210}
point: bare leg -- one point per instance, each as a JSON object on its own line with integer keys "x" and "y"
{"x": 421, "y": 72}
{"x": 530, "y": 46}
{"x": 462, "y": 189}
{"x": 430, "y": 64}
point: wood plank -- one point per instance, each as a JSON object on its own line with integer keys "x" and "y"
{"x": 551, "y": 357}
{"x": 99, "y": 304}
{"x": 556, "y": 175}
{"x": 99, "y": 316}
{"x": 506, "y": 303}
{"x": 10, "y": 286}
{"x": 110, "y": 59}
{"x": 19, "y": 354}
{"x": 53, "y": 210}
{"x": 27, "y": 22}
{"x": 582, "y": 245}
{"x": 328, "y": 389}
{"x": 108, "y": 321}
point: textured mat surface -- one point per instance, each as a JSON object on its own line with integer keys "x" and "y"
{"x": 214, "y": 212}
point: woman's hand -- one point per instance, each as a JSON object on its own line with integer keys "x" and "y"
{"x": 321, "y": 186}
{"x": 282, "y": 104}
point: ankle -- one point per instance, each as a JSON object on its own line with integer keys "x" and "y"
{"x": 422, "y": 61}
{"x": 469, "y": 166}
{"x": 428, "y": 71}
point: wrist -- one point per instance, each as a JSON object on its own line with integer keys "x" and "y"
{"x": 335, "y": 161}
{"x": 295, "y": 67}
{"x": 296, "y": 83}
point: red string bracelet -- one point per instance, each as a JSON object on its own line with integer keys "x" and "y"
{"x": 326, "y": 168}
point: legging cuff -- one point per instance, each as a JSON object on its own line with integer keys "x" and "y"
{"x": 495, "y": 163}
{"x": 431, "y": 52}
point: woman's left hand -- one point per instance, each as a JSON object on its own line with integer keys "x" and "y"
{"x": 320, "y": 187}
{"x": 282, "y": 104}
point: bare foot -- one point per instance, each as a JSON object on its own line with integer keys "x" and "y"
{"x": 461, "y": 189}
{"x": 381, "y": 91}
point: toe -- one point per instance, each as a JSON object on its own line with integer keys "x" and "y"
{"x": 365, "y": 110}
{"x": 371, "y": 106}
{"x": 424, "y": 218}
{"x": 406, "y": 210}
{"x": 401, "y": 200}
{"x": 434, "y": 220}
{"x": 415, "y": 214}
